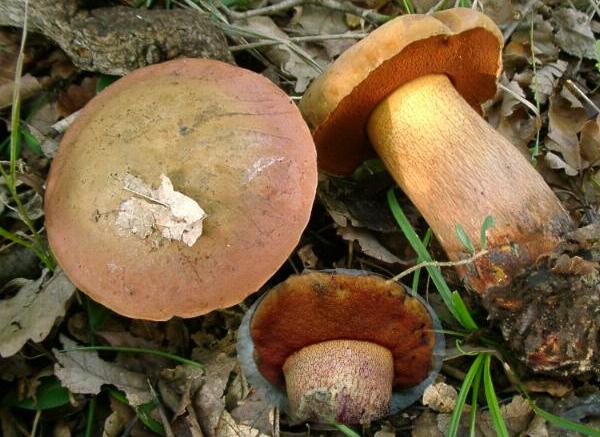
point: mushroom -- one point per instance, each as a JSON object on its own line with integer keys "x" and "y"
{"x": 170, "y": 151}
{"x": 413, "y": 89}
{"x": 348, "y": 346}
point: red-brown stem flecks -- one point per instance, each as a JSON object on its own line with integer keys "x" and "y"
{"x": 344, "y": 381}
{"x": 457, "y": 169}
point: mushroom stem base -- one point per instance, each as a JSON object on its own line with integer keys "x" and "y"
{"x": 344, "y": 381}
{"x": 457, "y": 169}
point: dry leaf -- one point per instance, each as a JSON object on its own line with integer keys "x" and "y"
{"x": 501, "y": 11}
{"x": 553, "y": 387}
{"x": 517, "y": 415}
{"x": 546, "y": 79}
{"x": 440, "y": 397}
{"x": 308, "y": 257}
{"x": 85, "y": 372}
{"x": 369, "y": 244}
{"x": 565, "y": 123}
{"x": 227, "y": 427}
{"x": 281, "y": 55}
{"x": 574, "y": 34}
{"x": 209, "y": 401}
{"x": 589, "y": 141}
{"x": 30, "y": 315}
{"x": 316, "y": 20}
{"x": 164, "y": 210}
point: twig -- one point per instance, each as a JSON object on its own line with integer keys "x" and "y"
{"x": 346, "y": 6}
{"x": 438, "y": 264}
{"x": 269, "y": 10}
{"x": 36, "y": 420}
{"x": 522, "y": 100}
{"x": 309, "y": 38}
{"x": 435, "y": 7}
{"x": 573, "y": 86}
{"x": 336, "y": 5}
{"x": 161, "y": 412}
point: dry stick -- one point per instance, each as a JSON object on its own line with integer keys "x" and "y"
{"x": 308, "y": 38}
{"x": 435, "y": 7}
{"x": 573, "y": 86}
{"x": 462, "y": 262}
{"x": 269, "y": 10}
{"x": 342, "y": 6}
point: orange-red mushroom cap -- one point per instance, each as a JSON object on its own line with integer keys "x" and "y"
{"x": 342, "y": 305}
{"x": 462, "y": 43}
{"x": 228, "y": 139}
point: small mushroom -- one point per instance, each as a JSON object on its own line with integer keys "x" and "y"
{"x": 413, "y": 89}
{"x": 180, "y": 189}
{"x": 343, "y": 346}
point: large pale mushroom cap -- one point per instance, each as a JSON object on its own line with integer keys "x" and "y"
{"x": 227, "y": 139}
{"x": 462, "y": 43}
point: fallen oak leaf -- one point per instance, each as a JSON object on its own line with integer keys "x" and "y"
{"x": 85, "y": 372}
{"x": 31, "y": 313}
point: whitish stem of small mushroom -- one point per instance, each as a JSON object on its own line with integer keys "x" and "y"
{"x": 419, "y": 266}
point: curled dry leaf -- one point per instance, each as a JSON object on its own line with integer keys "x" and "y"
{"x": 31, "y": 313}
{"x": 440, "y": 397}
{"x": 566, "y": 120}
{"x": 209, "y": 401}
{"x": 590, "y": 141}
{"x": 85, "y": 372}
{"x": 369, "y": 244}
{"x": 512, "y": 119}
{"x": 168, "y": 212}
{"x": 546, "y": 78}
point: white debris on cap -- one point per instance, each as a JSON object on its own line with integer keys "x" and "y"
{"x": 166, "y": 211}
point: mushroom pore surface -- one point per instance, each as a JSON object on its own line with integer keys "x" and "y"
{"x": 317, "y": 307}
{"x": 228, "y": 139}
{"x": 461, "y": 43}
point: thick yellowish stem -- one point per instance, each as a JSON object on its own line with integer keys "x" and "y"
{"x": 457, "y": 169}
{"x": 346, "y": 381}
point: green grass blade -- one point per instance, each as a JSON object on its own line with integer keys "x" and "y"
{"x": 564, "y": 423}
{"x": 142, "y": 412}
{"x": 462, "y": 395}
{"x": 474, "y": 398}
{"x": 488, "y": 223}
{"x": 419, "y": 248}
{"x": 49, "y": 394}
{"x": 138, "y": 350}
{"x": 463, "y": 312}
{"x": 417, "y": 274}
{"x": 464, "y": 238}
{"x": 492, "y": 400}
{"x": 346, "y": 430}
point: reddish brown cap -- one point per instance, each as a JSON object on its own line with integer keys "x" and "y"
{"x": 316, "y": 307}
{"x": 228, "y": 139}
{"x": 462, "y": 43}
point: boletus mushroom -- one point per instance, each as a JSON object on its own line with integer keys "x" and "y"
{"x": 180, "y": 189}
{"x": 343, "y": 346}
{"x": 413, "y": 91}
